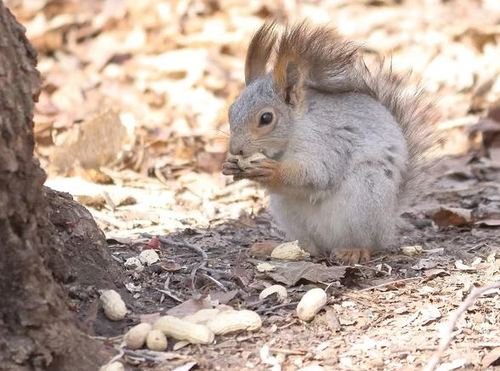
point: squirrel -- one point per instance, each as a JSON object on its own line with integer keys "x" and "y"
{"x": 342, "y": 145}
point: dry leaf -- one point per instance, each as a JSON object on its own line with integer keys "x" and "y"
{"x": 450, "y": 216}
{"x": 222, "y": 297}
{"x": 94, "y": 143}
{"x": 189, "y": 307}
{"x": 436, "y": 272}
{"x": 488, "y": 223}
{"x": 264, "y": 267}
{"x": 463, "y": 267}
{"x": 263, "y": 249}
{"x": 170, "y": 266}
{"x": 186, "y": 367}
{"x": 492, "y": 358}
{"x": 332, "y": 320}
{"x": 424, "y": 264}
{"x": 291, "y": 273}
{"x": 428, "y": 314}
{"x": 97, "y": 202}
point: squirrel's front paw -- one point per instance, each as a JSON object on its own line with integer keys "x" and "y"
{"x": 263, "y": 171}
{"x": 230, "y": 167}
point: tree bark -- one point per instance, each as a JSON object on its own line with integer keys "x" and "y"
{"x": 37, "y": 329}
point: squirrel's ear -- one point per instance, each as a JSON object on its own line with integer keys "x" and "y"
{"x": 288, "y": 81}
{"x": 259, "y": 50}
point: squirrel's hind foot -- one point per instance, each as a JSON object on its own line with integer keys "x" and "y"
{"x": 353, "y": 256}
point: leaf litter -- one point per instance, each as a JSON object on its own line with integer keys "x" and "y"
{"x": 132, "y": 122}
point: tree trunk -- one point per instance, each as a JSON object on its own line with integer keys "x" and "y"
{"x": 37, "y": 329}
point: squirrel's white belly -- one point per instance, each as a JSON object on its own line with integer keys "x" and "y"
{"x": 330, "y": 221}
{"x": 312, "y": 221}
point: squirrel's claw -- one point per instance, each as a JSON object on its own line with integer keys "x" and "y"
{"x": 353, "y": 256}
{"x": 231, "y": 168}
{"x": 264, "y": 171}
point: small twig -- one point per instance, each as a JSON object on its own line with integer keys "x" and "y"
{"x": 170, "y": 295}
{"x": 459, "y": 346}
{"x": 112, "y": 339}
{"x": 288, "y": 351}
{"x": 263, "y": 310}
{"x": 160, "y": 176}
{"x": 168, "y": 241}
{"x": 289, "y": 324}
{"x": 390, "y": 283}
{"x": 193, "y": 275}
{"x": 153, "y": 356}
{"x": 118, "y": 356}
{"x": 166, "y": 286}
{"x": 109, "y": 201}
{"x": 217, "y": 283}
{"x": 452, "y": 321}
{"x": 190, "y": 246}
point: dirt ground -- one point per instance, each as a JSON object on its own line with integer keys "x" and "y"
{"x": 384, "y": 315}
{"x": 132, "y": 121}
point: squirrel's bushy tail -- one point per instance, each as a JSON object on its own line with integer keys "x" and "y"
{"x": 412, "y": 109}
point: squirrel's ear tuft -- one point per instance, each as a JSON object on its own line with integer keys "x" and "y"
{"x": 288, "y": 71}
{"x": 289, "y": 82}
{"x": 315, "y": 57}
{"x": 259, "y": 51}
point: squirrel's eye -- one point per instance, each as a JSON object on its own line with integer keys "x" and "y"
{"x": 266, "y": 118}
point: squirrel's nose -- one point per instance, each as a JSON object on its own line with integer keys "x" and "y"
{"x": 235, "y": 149}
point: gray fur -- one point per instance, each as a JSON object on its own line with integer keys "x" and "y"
{"x": 346, "y": 200}
{"x": 357, "y": 141}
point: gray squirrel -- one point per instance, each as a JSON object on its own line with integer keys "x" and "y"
{"x": 344, "y": 145}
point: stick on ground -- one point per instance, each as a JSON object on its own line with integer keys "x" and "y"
{"x": 452, "y": 321}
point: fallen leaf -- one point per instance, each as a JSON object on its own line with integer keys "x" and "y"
{"x": 428, "y": 314}
{"x": 263, "y": 249}
{"x": 188, "y": 366}
{"x": 97, "y": 202}
{"x": 290, "y": 273}
{"x": 93, "y": 175}
{"x": 127, "y": 201}
{"x": 131, "y": 287}
{"x": 453, "y": 365}
{"x": 189, "y": 307}
{"x": 436, "y": 272}
{"x": 222, "y": 297}
{"x": 347, "y": 321}
{"x": 94, "y": 143}
{"x": 463, "y": 267}
{"x": 153, "y": 243}
{"x": 332, "y": 320}
{"x": 401, "y": 310}
{"x": 264, "y": 267}
{"x": 180, "y": 344}
{"x": 492, "y": 358}
{"x": 170, "y": 266}
{"x": 488, "y": 223}
{"x": 450, "y": 216}
{"x": 425, "y": 264}
{"x": 267, "y": 358}
{"x": 242, "y": 274}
